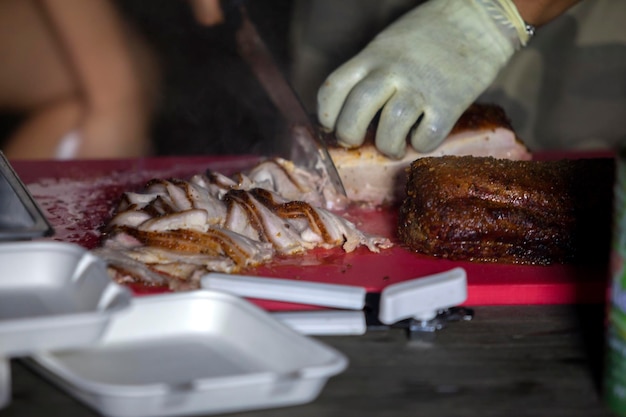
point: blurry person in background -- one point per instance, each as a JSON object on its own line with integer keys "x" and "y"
{"x": 207, "y": 12}
{"x": 81, "y": 80}
{"x": 565, "y": 90}
{"x": 210, "y": 103}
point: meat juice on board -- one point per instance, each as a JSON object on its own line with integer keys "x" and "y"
{"x": 615, "y": 368}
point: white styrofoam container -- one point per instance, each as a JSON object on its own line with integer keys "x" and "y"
{"x": 200, "y": 352}
{"x": 54, "y": 295}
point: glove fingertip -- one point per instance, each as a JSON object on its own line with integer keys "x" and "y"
{"x": 326, "y": 120}
{"x": 427, "y": 138}
{"x": 391, "y": 149}
{"x": 349, "y": 142}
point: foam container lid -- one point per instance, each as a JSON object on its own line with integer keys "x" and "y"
{"x": 200, "y": 352}
{"x": 54, "y": 295}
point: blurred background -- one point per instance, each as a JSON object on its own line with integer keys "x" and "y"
{"x": 209, "y": 101}
{"x": 566, "y": 90}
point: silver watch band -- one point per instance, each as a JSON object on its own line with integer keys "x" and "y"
{"x": 530, "y": 29}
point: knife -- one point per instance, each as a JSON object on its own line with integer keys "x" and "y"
{"x": 308, "y": 147}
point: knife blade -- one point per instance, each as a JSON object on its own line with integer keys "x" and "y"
{"x": 308, "y": 148}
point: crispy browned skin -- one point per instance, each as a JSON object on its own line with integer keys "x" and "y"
{"x": 496, "y": 210}
{"x": 482, "y": 116}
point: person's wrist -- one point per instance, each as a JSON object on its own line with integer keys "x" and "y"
{"x": 508, "y": 20}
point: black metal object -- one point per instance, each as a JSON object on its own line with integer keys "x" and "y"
{"x": 415, "y": 329}
{"x": 20, "y": 216}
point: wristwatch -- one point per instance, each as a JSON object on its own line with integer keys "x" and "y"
{"x": 530, "y": 29}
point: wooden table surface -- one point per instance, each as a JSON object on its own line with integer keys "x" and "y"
{"x": 507, "y": 361}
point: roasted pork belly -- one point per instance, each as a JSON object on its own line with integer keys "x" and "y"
{"x": 496, "y": 210}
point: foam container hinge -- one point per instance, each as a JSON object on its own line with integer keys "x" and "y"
{"x": 422, "y": 298}
{"x": 54, "y": 295}
{"x": 200, "y": 352}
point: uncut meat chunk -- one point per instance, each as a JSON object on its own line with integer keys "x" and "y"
{"x": 371, "y": 179}
{"x": 497, "y": 210}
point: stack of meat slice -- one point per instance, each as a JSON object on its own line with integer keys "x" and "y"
{"x": 175, "y": 231}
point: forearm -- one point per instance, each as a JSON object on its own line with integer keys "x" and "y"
{"x": 540, "y": 12}
{"x": 207, "y": 12}
{"x": 92, "y": 35}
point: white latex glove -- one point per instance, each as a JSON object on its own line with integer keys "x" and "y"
{"x": 429, "y": 65}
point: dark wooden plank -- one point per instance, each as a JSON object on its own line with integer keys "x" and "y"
{"x": 513, "y": 361}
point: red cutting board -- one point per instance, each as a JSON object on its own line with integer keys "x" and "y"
{"x": 79, "y": 196}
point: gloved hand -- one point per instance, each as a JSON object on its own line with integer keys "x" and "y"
{"x": 429, "y": 65}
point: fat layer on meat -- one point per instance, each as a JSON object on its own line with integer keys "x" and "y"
{"x": 372, "y": 179}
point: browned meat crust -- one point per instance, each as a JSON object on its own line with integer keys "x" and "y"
{"x": 482, "y": 116}
{"x": 496, "y": 210}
